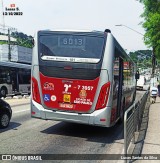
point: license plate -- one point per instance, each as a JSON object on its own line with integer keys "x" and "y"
{"x": 66, "y": 98}
{"x": 69, "y": 106}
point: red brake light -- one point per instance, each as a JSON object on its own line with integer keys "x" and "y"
{"x": 68, "y": 68}
{"x": 33, "y": 113}
{"x": 103, "y": 96}
{"x": 35, "y": 91}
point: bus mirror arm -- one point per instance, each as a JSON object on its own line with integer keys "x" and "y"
{"x": 33, "y": 42}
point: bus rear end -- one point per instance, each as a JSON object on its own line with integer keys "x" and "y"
{"x": 66, "y": 77}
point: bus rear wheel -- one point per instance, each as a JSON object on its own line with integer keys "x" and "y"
{"x": 3, "y": 92}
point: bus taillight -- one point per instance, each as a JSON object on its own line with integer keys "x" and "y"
{"x": 103, "y": 96}
{"x": 35, "y": 91}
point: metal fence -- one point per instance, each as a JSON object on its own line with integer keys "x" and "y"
{"x": 132, "y": 120}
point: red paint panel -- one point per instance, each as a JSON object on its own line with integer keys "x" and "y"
{"x": 68, "y": 94}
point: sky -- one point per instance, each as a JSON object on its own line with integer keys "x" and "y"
{"x": 80, "y": 15}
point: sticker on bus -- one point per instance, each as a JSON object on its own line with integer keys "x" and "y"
{"x": 63, "y": 105}
{"x": 83, "y": 94}
{"x": 48, "y": 86}
{"x": 53, "y": 98}
{"x": 46, "y": 97}
{"x": 66, "y": 98}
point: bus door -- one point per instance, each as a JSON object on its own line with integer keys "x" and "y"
{"x": 14, "y": 79}
{"x": 118, "y": 85}
{"x": 120, "y": 88}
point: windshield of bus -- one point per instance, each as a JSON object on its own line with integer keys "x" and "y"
{"x": 71, "y": 47}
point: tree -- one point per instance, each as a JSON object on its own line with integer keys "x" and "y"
{"x": 142, "y": 58}
{"x": 23, "y": 39}
{"x": 151, "y": 25}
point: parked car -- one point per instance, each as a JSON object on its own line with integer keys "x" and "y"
{"x": 5, "y": 114}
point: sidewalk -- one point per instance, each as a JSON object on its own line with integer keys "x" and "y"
{"x": 17, "y": 101}
{"x": 152, "y": 139}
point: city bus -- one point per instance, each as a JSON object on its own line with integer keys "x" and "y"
{"x": 15, "y": 78}
{"x": 81, "y": 76}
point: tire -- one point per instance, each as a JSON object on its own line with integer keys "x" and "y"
{"x": 3, "y": 92}
{"x": 4, "y": 120}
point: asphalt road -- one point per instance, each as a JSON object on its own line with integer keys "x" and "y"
{"x": 27, "y": 135}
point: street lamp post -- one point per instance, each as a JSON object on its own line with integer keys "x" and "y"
{"x": 9, "y": 46}
{"x": 153, "y": 56}
{"x": 9, "y": 30}
{"x": 1, "y": 14}
{"x": 129, "y": 28}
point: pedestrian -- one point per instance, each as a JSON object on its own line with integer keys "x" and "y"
{"x": 137, "y": 75}
{"x": 158, "y": 86}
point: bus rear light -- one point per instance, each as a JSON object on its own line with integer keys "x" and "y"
{"x": 33, "y": 113}
{"x": 35, "y": 91}
{"x": 102, "y": 119}
{"x": 103, "y": 96}
{"x": 68, "y": 68}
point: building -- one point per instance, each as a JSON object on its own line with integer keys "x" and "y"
{"x": 18, "y": 53}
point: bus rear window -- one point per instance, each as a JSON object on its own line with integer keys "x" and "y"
{"x": 71, "y": 48}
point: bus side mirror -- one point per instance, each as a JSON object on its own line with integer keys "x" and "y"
{"x": 137, "y": 75}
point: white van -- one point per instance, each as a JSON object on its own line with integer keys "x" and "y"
{"x": 141, "y": 82}
{"x": 148, "y": 76}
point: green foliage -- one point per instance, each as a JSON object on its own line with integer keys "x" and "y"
{"x": 143, "y": 58}
{"x": 23, "y": 39}
{"x": 151, "y": 24}
{"x": 3, "y": 42}
{"x": 6, "y": 42}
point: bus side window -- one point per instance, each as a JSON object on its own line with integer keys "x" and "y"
{"x": 116, "y": 76}
{"x": 8, "y": 78}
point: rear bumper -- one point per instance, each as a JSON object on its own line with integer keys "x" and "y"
{"x": 97, "y": 118}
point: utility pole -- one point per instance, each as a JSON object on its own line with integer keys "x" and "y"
{"x": 1, "y": 14}
{"x": 153, "y": 61}
{"x": 9, "y": 46}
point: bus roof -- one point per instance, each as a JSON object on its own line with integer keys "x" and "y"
{"x": 74, "y": 31}
{"x": 15, "y": 65}
{"x": 70, "y": 30}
